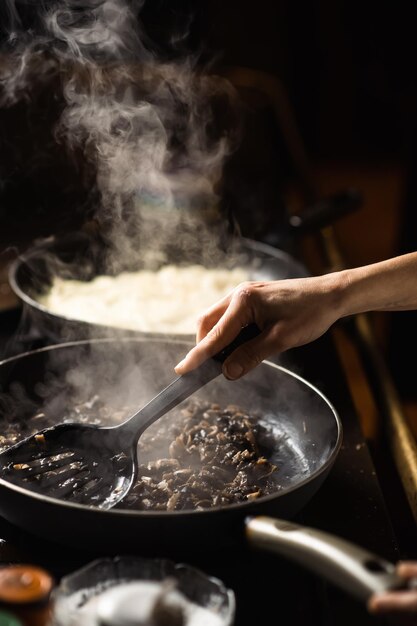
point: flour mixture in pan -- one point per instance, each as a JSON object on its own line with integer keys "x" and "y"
{"x": 168, "y": 300}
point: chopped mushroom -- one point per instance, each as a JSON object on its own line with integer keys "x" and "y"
{"x": 213, "y": 459}
{"x": 194, "y": 458}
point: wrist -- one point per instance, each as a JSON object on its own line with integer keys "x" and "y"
{"x": 341, "y": 290}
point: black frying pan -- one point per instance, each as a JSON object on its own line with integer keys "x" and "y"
{"x": 305, "y": 426}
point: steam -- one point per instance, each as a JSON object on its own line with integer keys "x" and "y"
{"x": 155, "y": 133}
{"x": 97, "y": 29}
{"x": 149, "y": 128}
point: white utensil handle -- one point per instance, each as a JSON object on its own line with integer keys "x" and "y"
{"x": 344, "y": 564}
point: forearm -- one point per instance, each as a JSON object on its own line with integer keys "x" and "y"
{"x": 389, "y": 285}
{"x": 293, "y": 312}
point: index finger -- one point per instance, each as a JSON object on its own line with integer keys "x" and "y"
{"x": 215, "y": 340}
{"x": 218, "y": 337}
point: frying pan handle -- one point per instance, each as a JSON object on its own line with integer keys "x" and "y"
{"x": 355, "y": 570}
{"x": 325, "y": 212}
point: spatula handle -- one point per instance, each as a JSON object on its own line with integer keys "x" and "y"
{"x": 182, "y": 387}
{"x": 246, "y": 334}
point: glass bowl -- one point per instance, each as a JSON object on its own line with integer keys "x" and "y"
{"x": 86, "y": 596}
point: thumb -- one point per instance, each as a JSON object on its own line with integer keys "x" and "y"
{"x": 242, "y": 360}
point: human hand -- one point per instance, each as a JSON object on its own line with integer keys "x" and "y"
{"x": 289, "y": 313}
{"x": 399, "y": 607}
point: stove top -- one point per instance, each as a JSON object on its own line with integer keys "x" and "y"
{"x": 349, "y": 504}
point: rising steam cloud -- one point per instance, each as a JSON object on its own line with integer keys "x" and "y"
{"x": 149, "y": 128}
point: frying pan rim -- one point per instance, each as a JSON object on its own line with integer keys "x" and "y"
{"x": 188, "y": 512}
{"x": 49, "y": 242}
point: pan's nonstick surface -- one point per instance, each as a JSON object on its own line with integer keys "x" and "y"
{"x": 304, "y": 425}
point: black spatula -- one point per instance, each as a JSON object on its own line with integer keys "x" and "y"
{"x": 97, "y": 465}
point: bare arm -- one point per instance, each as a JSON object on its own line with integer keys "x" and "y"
{"x": 293, "y": 312}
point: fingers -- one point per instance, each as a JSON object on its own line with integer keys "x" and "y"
{"x": 407, "y": 569}
{"x": 215, "y": 340}
{"x": 219, "y": 326}
{"x": 243, "y": 359}
{"x": 252, "y": 353}
{"x": 231, "y": 311}
{"x": 210, "y": 318}
{"x": 401, "y": 605}
{"x": 402, "y": 602}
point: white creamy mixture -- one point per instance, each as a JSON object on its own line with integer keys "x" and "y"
{"x": 168, "y": 300}
{"x": 129, "y": 604}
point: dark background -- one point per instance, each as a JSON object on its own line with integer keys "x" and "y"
{"x": 348, "y": 69}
